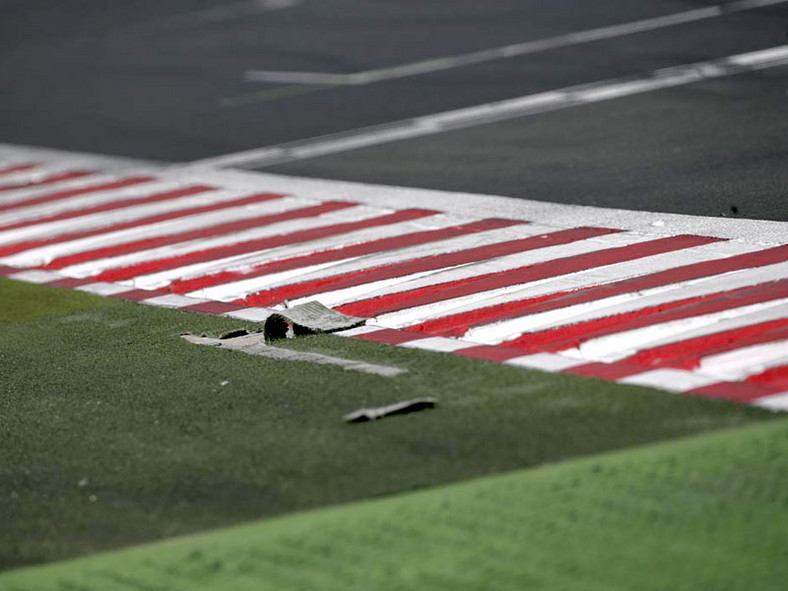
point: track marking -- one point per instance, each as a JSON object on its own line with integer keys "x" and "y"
{"x": 217, "y": 14}
{"x": 507, "y": 51}
{"x": 532, "y": 104}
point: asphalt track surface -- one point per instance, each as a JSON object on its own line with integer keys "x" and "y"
{"x": 166, "y": 81}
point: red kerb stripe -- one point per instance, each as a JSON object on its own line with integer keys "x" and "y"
{"x": 736, "y": 391}
{"x": 16, "y": 168}
{"x": 688, "y": 353}
{"x": 173, "y": 215}
{"x": 207, "y": 232}
{"x": 572, "y": 335}
{"x": 127, "y": 182}
{"x": 441, "y": 261}
{"x": 335, "y": 254}
{"x": 458, "y": 324}
{"x": 258, "y": 245}
{"x": 606, "y": 371}
{"x": 521, "y": 275}
{"x": 388, "y": 336}
{"x": 55, "y": 178}
{"x": 776, "y": 377}
{"x": 184, "y": 192}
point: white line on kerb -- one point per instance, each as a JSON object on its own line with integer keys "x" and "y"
{"x": 542, "y": 102}
{"x": 507, "y": 51}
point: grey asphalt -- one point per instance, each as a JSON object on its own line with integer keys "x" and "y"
{"x": 164, "y": 81}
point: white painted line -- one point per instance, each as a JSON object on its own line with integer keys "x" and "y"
{"x": 39, "y": 172}
{"x": 429, "y": 66}
{"x": 501, "y": 110}
{"x": 22, "y": 194}
{"x": 496, "y": 265}
{"x": 437, "y": 344}
{"x": 359, "y": 330}
{"x": 672, "y": 380}
{"x": 173, "y": 300}
{"x": 90, "y": 199}
{"x": 470, "y": 204}
{"x": 154, "y": 281}
{"x": 611, "y": 273}
{"x": 498, "y": 332}
{"x": 36, "y": 276}
{"x": 242, "y": 288}
{"x": 216, "y": 14}
{"x": 45, "y": 254}
{"x": 247, "y": 262}
{"x": 17, "y": 153}
{"x": 545, "y": 362}
{"x": 741, "y": 363}
{"x": 115, "y": 216}
{"x": 775, "y": 402}
{"x": 623, "y": 344}
{"x": 103, "y": 289}
{"x": 253, "y": 314}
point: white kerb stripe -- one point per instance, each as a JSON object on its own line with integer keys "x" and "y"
{"x": 437, "y": 344}
{"x": 100, "y": 220}
{"x": 93, "y": 267}
{"x": 16, "y": 196}
{"x": 36, "y": 276}
{"x": 103, "y": 289}
{"x": 545, "y": 362}
{"x": 673, "y": 380}
{"x": 45, "y": 254}
{"x": 600, "y": 276}
{"x": 747, "y": 361}
{"x": 467, "y": 271}
{"x": 173, "y": 300}
{"x": 376, "y": 259}
{"x": 628, "y": 302}
{"x": 775, "y": 402}
{"x": 82, "y": 201}
{"x": 247, "y": 263}
{"x": 620, "y": 345}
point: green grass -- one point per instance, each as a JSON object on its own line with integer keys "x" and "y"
{"x": 115, "y": 431}
{"x": 705, "y": 513}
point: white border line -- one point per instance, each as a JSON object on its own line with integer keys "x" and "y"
{"x": 531, "y": 104}
{"x": 439, "y": 64}
{"x": 763, "y": 232}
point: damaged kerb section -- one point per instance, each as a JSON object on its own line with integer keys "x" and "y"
{"x": 309, "y": 318}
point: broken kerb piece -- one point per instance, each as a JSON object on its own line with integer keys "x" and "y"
{"x": 399, "y": 408}
{"x": 308, "y": 318}
{"x": 254, "y": 343}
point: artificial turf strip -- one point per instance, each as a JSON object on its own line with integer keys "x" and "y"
{"x": 115, "y": 431}
{"x": 708, "y": 512}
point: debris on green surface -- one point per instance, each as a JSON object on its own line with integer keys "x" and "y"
{"x": 254, "y": 343}
{"x": 170, "y": 438}
{"x": 400, "y": 408}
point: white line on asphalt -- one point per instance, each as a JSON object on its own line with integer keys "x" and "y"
{"x": 542, "y": 102}
{"x": 507, "y": 51}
